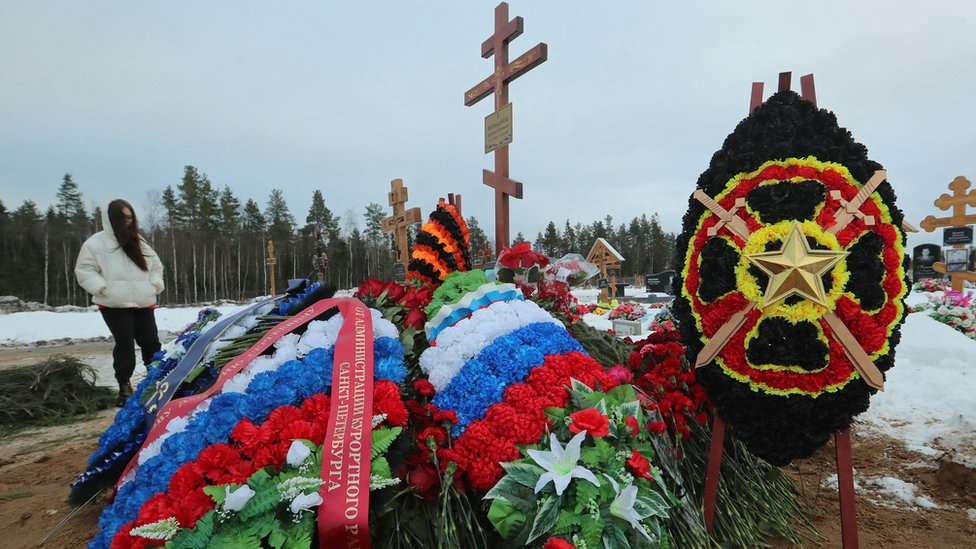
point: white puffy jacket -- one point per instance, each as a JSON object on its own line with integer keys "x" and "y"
{"x": 112, "y": 279}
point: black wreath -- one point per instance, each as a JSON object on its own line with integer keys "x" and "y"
{"x": 775, "y": 427}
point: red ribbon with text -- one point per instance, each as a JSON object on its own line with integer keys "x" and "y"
{"x": 344, "y": 513}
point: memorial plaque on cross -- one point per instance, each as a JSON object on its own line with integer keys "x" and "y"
{"x": 398, "y": 223}
{"x": 957, "y": 201}
{"x": 497, "y": 44}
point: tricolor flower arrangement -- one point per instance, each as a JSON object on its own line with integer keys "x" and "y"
{"x": 250, "y": 424}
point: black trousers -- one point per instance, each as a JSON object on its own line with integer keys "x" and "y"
{"x": 128, "y": 326}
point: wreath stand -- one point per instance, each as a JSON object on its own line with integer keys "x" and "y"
{"x": 845, "y": 481}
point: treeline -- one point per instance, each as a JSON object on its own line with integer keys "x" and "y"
{"x": 214, "y": 245}
{"x": 645, "y": 246}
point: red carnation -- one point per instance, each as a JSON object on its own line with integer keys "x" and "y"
{"x": 591, "y": 421}
{"x": 558, "y": 543}
{"x": 638, "y": 465}
{"x": 657, "y": 427}
{"x": 632, "y": 422}
{"x": 424, "y": 388}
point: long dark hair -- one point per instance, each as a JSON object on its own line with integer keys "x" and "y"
{"x": 128, "y": 236}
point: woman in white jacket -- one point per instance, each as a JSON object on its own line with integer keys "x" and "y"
{"x": 124, "y": 276}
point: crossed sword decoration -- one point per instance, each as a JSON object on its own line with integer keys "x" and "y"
{"x": 848, "y": 211}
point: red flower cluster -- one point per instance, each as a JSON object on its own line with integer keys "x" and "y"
{"x": 251, "y": 448}
{"x": 521, "y": 256}
{"x": 407, "y": 300}
{"x": 670, "y": 382}
{"x": 556, "y": 298}
{"x": 431, "y": 428}
{"x": 519, "y": 419}
{"x": 638, "y": 465}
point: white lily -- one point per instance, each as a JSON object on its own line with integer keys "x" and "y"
{"x": 622, "y": 506}
{"x": 236, "y": 500}
{"x": 298, "y": 452}
{"x": 560, "y": 464}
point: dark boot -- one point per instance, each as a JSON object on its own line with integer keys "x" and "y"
{"x": 125, "y": 391}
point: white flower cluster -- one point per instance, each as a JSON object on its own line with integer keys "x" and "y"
{"x": 462, "y": 342}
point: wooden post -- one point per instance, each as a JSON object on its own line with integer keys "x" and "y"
{"x": 845, "y": 487}
{"x": 713, "y": 472}
{"x": 399, "y": 221}
{"x": 497, "y": 44}
{"x": 957, "y": 201}
{"x": 807, "y": 90}
{"x": 272, "y": 263}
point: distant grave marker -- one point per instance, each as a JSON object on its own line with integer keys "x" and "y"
{"x": 397, "y": 224}
{"x": 272, "y": 261}
{"x": 958, "y": 233}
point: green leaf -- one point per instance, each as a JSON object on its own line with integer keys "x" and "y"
{"x": 506, "y": 519}
{"x": 266, "y": 497}
{"x": 567, "y": 522}
{"x": 631, "y": 408}
{"x": 382, "y": 439}
{"x": 592, "y": 531}
{"x": 651, "y": 503}
{"x": 380, "y": 466}
{"x": 502, "y": 488}
{"x": 546, "y": 517}
{"x": 299, "y": 535}
{"x": 218, "y": 493}
{"x": 556, "y": 414}
{"x": 237, "y": 538}
{"x": 578, "y": 386}
{"x": 615, "y": 537}
{"x": 585, "y": 492}
{"x": 197, "y": 537}
{"x": 622, "y": 393}
{"x": 526, "y": 474}
{"x": 601, "y": 406}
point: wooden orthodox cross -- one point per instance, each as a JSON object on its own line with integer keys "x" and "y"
{"x": 272, "y": 262}
{"x": 959, "y": 218}
{"x": 398, "y": 223}
{"x": 454, "y": 200}
{"x": 497, "y": 44}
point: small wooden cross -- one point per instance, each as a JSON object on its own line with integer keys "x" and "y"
{"x": 958, "y": 201}
{"x": 497, "y": 44}
{"x": 271, "y": 261}
{"x": 400, "y": 220}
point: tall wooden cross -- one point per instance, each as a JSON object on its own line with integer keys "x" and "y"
{"x": 400, "y": 220}
{"x": 454, "y": 200}
{"x": 958, "y": 201}
{"x": 272, "y": 262}
{"x": 497, "y": 44}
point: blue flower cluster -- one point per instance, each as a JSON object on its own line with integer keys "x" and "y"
{"x": 292, "y": 383}
{"x": 509, "y": 359}
{"x": 120, "y": 441}
{"x": 287, "y": 303}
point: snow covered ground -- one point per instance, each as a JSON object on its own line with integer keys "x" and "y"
{"x": 928, "y": 401}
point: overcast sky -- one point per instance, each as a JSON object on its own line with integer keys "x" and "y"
{"x": 345, "y": 96}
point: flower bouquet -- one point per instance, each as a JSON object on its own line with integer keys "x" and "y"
{"x": 519, "y": 264}
{"x": 628, "y": 311}
{"x": 956, "y": 310}
{"x": 571, "y": 269}
{"x": 589, "y": 483}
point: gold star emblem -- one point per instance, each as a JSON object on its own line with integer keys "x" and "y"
{"x": 796, "y": 269}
